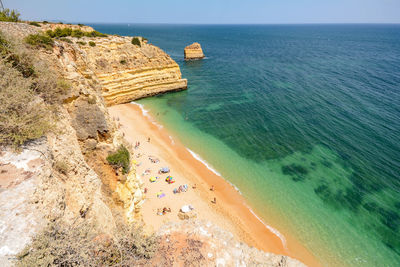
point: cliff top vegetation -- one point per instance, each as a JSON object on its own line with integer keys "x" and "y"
{"x": 29, "y": 93}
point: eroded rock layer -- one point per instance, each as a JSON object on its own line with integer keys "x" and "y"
{"x": 128, "y": 72}
{"x": 193, "y": 52}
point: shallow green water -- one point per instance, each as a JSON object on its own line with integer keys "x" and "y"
{"x": 304, "y": 120}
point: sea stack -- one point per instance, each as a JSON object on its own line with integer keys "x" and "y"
{"x": 193, "y": 52}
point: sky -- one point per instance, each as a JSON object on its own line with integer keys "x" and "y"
{"x": 210, "y": 11}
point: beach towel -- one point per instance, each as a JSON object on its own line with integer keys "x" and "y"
{"x": 160, "y": 194}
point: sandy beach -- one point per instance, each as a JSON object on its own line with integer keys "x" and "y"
{"x": 230, "y": 211}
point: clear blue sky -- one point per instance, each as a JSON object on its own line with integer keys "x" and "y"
{"x": 210, "y": 11}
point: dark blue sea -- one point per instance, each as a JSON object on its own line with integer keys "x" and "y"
{"x": 303, "y": 119}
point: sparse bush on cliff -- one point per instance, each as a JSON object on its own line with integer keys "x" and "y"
{"x": 28, "y": 92}
{"x": 120, "y": 159}
{"x": 61, "y": 166}
{"x": 136, "y": 41}
{"x": 81, "y": 43}
{"x": 9, "y": 15}
{"x": 80, "y": 245}
{"x": 92, "y": 44}
{"x": 77, "y": 33}
{"x": 39, "y": 41}
{"x": 34, "y": 23}
{"x": 64, "y": 39}
{"x": 45, "y": 22}
{"x": 22, "y": 116}
{"x": 122, "y": 61}
{"x": 65, "y": 32}
{"x": 19, "y": 62}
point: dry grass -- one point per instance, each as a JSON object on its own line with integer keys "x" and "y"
{"x": 61, "y": 166}
{"x": 29, "y": 92}
{"x": 80, "y": 245}
{"x": 23, "y": 116}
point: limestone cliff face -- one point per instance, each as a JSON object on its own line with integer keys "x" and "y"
{"x": 193, "y": 52}
{"x": 128, "y": 72}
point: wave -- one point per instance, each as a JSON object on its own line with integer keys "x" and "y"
{"x": 145, "y": 113}
{"x": 203, "y": 161}
{"x": 272, "y": 229}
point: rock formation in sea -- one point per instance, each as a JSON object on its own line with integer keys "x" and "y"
{"x": 193, "y": 52}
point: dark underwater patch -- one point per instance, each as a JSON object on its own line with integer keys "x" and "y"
{"x": 297, "y": 172}
{"x": 326, "y": 163}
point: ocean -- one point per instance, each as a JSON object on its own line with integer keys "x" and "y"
{"x": 303, "y": 119}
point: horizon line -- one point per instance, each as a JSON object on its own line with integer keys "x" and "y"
{"x": 283, "y": 23}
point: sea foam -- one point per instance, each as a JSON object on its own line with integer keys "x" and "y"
{"x": 203, "y": 161}
{"x": 145, "y": 113}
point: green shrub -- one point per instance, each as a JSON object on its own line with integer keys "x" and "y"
{"x": 34, "y": 23}
{"x": 61, "y": 166}
{"x": 77, "y": 33}
{"x": 10, "y": 16}
{"x": 95, "y": 34}
{"x": 39, "y": 40}
{"x": 45, "y": 22}
{"x": 81, "y": 25}
{"x": 123, "y": 62}
{"x": 81, "y": 43}
{"x": 119, "y": 159}
{"x": 91, "y": 100}
{"x": 136, "y": 41}
{"x": 92, "y": 44}
{"x": 50, "y": 33}
{"x": 64, "y": 39}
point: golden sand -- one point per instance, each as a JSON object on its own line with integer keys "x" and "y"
{"x": 230, "y": 211}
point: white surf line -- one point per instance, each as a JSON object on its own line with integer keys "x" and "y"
{"x": 203, "y": 161}
{"x": 146, "y": 114}
{"x": 270, "y": 228}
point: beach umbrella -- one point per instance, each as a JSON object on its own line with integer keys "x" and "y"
{"x": 165, "y": 169}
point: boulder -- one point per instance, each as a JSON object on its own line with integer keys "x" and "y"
{"x": 193, "y": 52}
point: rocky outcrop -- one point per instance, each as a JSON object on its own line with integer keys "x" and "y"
{"x": 53, "y": 26}
{"x": 128, "y": 72}
{"x": 193, "y": 52}
{"x": 54, "y": 179}
{"x": 200, "y": 243}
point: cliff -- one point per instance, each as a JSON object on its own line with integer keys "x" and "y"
{"x": 128, "y": 72}
{"x": 193, "y": 52}
{"x": 63, "y": 178}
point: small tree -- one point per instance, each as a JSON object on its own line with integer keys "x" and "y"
{"x": 92, "y": 44}
{"x": 10, "y": 16}
{"x": 120, "y": 158}
{"x": 136, "y": 41}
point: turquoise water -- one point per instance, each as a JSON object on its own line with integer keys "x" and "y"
{"x": 303, "y": 119}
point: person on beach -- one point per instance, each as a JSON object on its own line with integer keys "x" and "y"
{"x": 148, "y": 139}
{"x": 214, "y": 200}
{"x": 212, "y": 188}
{"x": 194, "y": 186}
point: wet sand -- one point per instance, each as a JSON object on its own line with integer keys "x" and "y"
{"x": 230, "y": 211}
